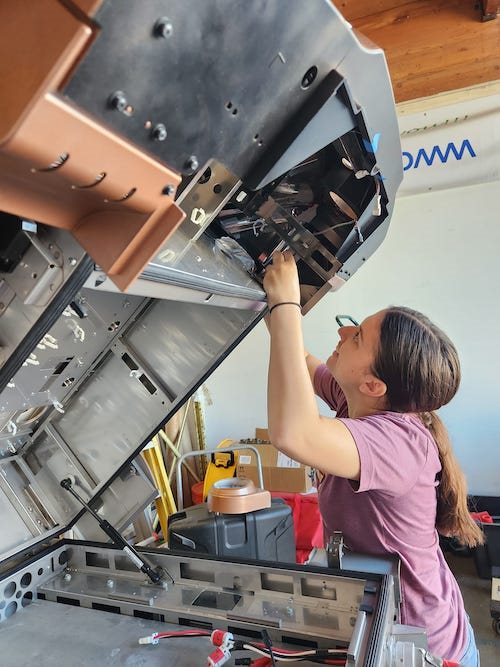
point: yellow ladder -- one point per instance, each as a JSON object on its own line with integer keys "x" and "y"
{"x": 165, "y": 504}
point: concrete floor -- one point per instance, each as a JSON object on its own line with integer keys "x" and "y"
{"x": 476, "y": 593}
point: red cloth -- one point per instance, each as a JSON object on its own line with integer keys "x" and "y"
{"x": 482, "y": 517}
{"x": 307, "y": 522}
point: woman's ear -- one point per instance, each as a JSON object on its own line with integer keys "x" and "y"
{"x": 373, "y": 386}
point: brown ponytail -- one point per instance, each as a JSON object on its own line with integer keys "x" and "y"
{"x": 453, "y": 518}
{"x": 420, "y": 367}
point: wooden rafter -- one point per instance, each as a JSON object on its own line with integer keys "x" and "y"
{"x": 431, "y": 46}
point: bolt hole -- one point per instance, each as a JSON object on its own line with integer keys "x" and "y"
{"x": 10, "y": 589}
{"x": 229, "y": 105}
{"x": 26, "y": 579}
{"x": 309, "y": 77}
{"x": 260, "y": 143}
{"x": 256, "y": 136}
{"x": 206, "y": 176}
{"x": 234, "y": 111}
{"x": 114, "y": 325}
{"x": 34, "y": 276}
{"x": 40, "y": 571}
{"x": 217, "y": 188}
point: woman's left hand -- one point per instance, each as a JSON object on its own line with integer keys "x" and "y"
{"x": 281, "y": 280}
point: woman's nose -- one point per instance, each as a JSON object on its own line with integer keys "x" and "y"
{"x": 344, "y": 332}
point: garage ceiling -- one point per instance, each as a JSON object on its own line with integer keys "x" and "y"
{"x": 431, "y": 46}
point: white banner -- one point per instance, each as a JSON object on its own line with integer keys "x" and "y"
{"x": 451, "y": 145}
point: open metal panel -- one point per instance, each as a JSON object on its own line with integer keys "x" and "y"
{"x": 301, "y": 607}
{"x": 152, "y": 162}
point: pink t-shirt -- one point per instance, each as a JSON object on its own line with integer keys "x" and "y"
{"x": 393, "y": 510}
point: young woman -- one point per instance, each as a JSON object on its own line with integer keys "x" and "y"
{"x": 391, "y": 481}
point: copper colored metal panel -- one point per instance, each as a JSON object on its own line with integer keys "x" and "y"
{"x": 80, "y": 176}
{"x": 40, "y": 43}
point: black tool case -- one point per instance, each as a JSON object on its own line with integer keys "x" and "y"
{"x": 265, "y": 534}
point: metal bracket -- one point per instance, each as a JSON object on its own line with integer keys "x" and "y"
{"x": 335, "y": 550}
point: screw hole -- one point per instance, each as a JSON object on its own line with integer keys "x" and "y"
{"x": 217, "y": 188}
{"x": 309, "y": 77}
{"x": 234, "y": 111}
{"x": 229, "y": 105}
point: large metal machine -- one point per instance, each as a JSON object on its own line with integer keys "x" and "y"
{"x": 153, "y": 156}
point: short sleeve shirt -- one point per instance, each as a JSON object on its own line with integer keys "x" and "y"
{"x": 392, "y": 510}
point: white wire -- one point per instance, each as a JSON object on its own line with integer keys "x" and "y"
{"x": 292, "y": 656}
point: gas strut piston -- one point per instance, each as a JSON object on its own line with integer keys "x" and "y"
{"x": 155, "y": 574}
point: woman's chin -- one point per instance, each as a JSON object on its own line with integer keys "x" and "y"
{"x": 331, "y": 362}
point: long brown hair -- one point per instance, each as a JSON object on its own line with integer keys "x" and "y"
{"x": 420, "y": 367}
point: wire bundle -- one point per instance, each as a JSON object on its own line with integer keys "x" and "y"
{"x": 269, "y": 655}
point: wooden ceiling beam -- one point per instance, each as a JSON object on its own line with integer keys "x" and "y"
{"x": 431, "y": 46}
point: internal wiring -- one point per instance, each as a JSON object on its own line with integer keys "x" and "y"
{"x": 324, "y": 656}
{"x": 270, "y": 655}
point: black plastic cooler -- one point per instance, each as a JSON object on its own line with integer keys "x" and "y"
{"x": 265, "y": 534}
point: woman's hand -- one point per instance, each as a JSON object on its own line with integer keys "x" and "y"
{"x": 281, "y": 280}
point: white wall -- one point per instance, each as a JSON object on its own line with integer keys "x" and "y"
{"x": 441, "y": 256}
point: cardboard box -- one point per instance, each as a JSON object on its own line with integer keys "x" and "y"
{"x": 280, "y": 472}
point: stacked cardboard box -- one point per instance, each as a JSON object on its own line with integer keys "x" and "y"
{"x": 280, "y": 472}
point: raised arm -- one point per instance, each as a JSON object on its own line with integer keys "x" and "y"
{"x": 312, "y": 364}
{"x": 311, "y": 361}
{"x": 295, "y": 425}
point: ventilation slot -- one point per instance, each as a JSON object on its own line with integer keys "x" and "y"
{"x": 202, "y": 625}
{"x": 189, "y": 571}
{"x": 62, "y": 600}
{"x": 148, "y": 615}
{"x": 106, "y": 607}
{"x": 96, "y": 560}
{"x": 244, "y": 632}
